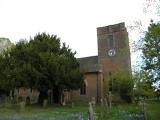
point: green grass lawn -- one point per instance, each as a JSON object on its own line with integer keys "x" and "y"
{"x": 119, "y": 112}
{"x": 153, "y": 111}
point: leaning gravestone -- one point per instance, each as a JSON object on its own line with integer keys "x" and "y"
{"x": 104, "y": 107}
{"x": 91, "y": 112}
{"x": 110, "y": 101}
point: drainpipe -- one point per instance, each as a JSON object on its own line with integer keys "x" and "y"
{"x": 97, "y": 88}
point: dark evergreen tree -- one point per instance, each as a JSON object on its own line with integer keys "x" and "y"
{"x": 42, "y": 64}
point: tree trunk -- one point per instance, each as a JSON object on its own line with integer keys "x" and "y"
{"x": 56, "y": 95}
{"x": 42, "y": 96}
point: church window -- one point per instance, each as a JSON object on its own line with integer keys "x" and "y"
{"x": 110, "y": 81}
{"x": 110, "y": 74}
{"x": 111, "y": 41}
{"x": 110, "y": 85}
{"x": 83, "y": 90}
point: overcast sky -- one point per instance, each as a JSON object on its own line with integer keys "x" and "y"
{"x": 74, "y": 21}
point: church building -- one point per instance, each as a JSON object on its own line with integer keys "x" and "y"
{"x": 113, "y": 55}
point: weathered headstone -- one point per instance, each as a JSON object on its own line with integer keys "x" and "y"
{"x": 91, "y": 112}
{"x": 106, "y": 105}
{"x": 45, "y": 103}
{"x": 110, "y": 100}
{"x": 72, "y": 104}
{"x": 63, "y": 102}
{"x": 102, "y": 108}
{"x": 93, "y": 101}
{"x": 142, "y": 105}
{"x": 22, "y": 106}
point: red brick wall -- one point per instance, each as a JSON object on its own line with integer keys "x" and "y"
{"x": 93, "y": 88}
{"x": 121, "y": 61}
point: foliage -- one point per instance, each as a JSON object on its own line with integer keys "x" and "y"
{"x": 122, "y": 83}
{"x": 153, "y": 110}
{"x": 5, "y": 44}
{"x": 42, "y": 63}
{"x": 152, "y": 6}
{"x": 151, "y": 53}
{"x": 142, "y": 86}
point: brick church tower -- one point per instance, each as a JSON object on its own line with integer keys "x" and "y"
{"x": 113, "y": 50}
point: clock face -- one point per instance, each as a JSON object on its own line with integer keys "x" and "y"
{"x": 112, "y": 52}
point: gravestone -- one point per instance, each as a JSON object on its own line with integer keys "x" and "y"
{"x": 143, "y": 109}
{"x": 22, "y": 106}
{"x": 91, "y": 112}
{"x": 72, "y": 104}
{"x": 110, "y": 100}
{"x": 93, "y": 101}
{"x": 45, "y": 103}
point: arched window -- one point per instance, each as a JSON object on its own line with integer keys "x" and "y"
{"x": 83, "y": 90}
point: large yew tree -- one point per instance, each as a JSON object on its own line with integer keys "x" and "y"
{"x": 42, "y": 64}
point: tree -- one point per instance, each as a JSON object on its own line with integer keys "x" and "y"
{"x": 5, "y": 44}
{"x": 151, "y": 54}
{"x": 152, "y": 6}
{"x": 42, "y": 64}
{"x": 142, "y": 86}
{"x": 121, "y": 82}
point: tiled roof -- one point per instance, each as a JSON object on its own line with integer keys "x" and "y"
{"x": 89, "y": 64}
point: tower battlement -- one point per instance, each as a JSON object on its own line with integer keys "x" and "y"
{"x": 111, "y": 28}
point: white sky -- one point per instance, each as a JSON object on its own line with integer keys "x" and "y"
{"x": 74, "y": 21}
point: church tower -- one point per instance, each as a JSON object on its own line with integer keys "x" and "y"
{"x": 113, "y": 56}
{"x": 113, "y": 50}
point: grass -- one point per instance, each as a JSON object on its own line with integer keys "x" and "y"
{"x": 40, "y": 113}
{"x": 119, "y": 112}
{"x": 153, "y": 111}
{"x": 123, "y": 112}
